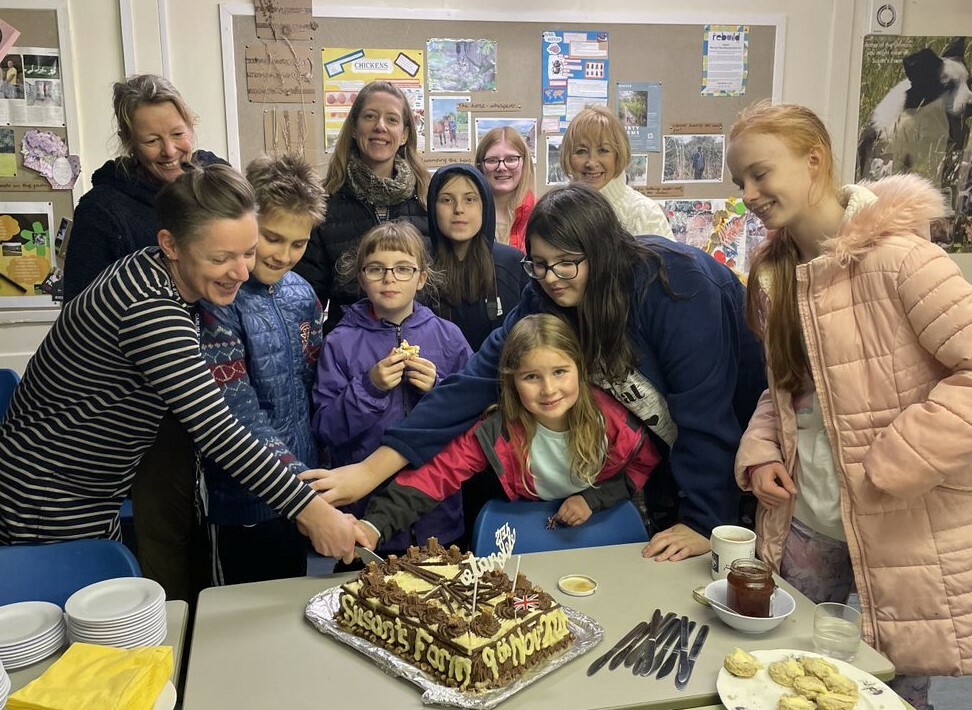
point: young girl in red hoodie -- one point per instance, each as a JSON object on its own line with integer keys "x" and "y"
{"x": 552, "y": 436}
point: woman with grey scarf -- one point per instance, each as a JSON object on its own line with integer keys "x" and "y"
{"x": 375, "y": 175}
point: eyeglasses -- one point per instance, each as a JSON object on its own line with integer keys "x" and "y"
{"x": 400, "y": 272}
{"x": 510, "y": 161}
{"x": 566, "y": 269}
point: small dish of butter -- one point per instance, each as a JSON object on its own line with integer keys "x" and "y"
{"x": 577, "y": 585}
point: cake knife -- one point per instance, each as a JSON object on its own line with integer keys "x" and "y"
{"x": 367, "y": 555}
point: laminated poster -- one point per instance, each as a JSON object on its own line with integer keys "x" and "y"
{"x": 575, "y": 74}
{"x": 26, "y": 253}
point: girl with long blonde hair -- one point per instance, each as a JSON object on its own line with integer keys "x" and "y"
{"x": 552, "y": 436}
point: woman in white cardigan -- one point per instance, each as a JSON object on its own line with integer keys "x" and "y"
{"x": 596, "y": 151}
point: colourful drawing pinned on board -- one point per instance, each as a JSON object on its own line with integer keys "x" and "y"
{"x": 47, "y": 153}
{"x": 26, "y": 251}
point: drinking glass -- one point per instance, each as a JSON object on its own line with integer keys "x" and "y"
{"x": 836, "y": 630}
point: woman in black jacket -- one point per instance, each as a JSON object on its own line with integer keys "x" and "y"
{"x": 375, "y": 175}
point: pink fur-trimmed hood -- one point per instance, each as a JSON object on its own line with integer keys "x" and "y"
{"x": 896, "y": 205}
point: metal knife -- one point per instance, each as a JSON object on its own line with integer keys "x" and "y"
{"x": 646, "y": 660}
{"x": 623, "y": 652}
{"x": 647, "y": 647}
{"x": 669, "y": 665}
{"x": 602, "y": 660}
{"x": 683, "y": 646}
{"x": 684, "y": 673}
{"x": 666, "y": 641}
{"x": 367, "y": 555}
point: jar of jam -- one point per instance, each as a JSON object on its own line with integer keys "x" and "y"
{"x": 749, "y": 588}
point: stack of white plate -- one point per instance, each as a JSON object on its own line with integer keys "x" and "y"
{"x": 4, "y": 686}
{"x": 29, "y": 632}
{"x": 127, "y": 612}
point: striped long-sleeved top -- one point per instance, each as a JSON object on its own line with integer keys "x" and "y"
{"x": 90, "y": 403}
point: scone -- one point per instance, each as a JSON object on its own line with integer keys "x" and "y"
{"x": 836, "y": 701}
{"x": 840, "y": 684}
{"x": 809, "y": 686}
{"x": 817, "y": 666}
{"x": 783, "y": 672}
{"x": 409, "y": 351}
{"x": 794, "y": 702}
{"x": 741, "y": 664}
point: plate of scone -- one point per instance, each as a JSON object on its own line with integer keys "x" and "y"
{"x": 784, "y": 679}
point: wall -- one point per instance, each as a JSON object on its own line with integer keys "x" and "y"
{"x": 821, "y": 66}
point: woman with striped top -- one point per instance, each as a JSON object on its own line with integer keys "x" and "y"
{"x": 120, "y": 355}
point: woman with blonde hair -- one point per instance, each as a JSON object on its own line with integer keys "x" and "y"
{"x": 866, "y": 328}
{"x": 504, "y": 158}
{"x": 156, "y": 131}
{"x": 595, "y": 151}
{"x": 375, "y": 175}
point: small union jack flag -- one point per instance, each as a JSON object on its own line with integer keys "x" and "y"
{"x": 527, "y": 603}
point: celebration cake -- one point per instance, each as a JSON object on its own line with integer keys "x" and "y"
{"x": 458, "y": 618}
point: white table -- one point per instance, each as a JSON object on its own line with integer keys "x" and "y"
{"x": 252, "y": 647}
{"x": 176, "y": 618}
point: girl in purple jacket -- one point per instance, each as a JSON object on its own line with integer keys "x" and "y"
{"x": 368, "y": 376}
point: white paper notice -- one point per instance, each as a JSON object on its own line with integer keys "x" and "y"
{"x": 725, "y": 57}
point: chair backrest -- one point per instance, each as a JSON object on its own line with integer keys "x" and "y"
{"x": 615, "y": 526}
{"x": 53, "y": 572}
{"x": 9, "y": 380}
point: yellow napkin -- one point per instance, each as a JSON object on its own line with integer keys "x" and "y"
{"x": 91, "y": 677}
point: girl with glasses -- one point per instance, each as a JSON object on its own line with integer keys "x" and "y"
{"x": 504, "y": 158}
{"x": 482, "y": 280}
{"x": 596, "y": 152}
{"x": 366, "y": 380}
{"x": 661, "y": 328}
{"x": 375, "y": 175}
{"x": 551, "y": 437}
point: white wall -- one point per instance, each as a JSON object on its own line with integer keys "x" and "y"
{"x": 821, "y": 66}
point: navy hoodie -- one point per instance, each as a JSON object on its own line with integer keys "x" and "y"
{"x": 115, "y": 218}
{"x": 478, "y": 319}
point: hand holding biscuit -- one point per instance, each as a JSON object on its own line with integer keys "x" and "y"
{"x": 420, "y": 373}
{"x": 387, "y": 373}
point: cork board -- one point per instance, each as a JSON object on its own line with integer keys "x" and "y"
{"x": 670, "y": 54}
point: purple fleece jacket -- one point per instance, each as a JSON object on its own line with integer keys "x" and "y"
{"x": 351, "y": 414}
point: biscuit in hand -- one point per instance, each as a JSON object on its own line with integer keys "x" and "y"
{"x": 409, "y": 351}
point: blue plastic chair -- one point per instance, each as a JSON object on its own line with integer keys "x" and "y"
{"x": 53, "y": 572}
{"x": 9, "y": 380}
{"x": 615, "y": 526}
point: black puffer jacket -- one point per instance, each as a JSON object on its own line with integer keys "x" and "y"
{"x": 348, "y": 219}
{"x": 477, "y": 320}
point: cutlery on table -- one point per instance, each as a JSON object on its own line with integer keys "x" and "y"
{"x": 685, "y": 672}
{"x": 646, "y": 658}
{"x": 646, "y": 649}
{"x": 669, "y": 665}
{"x": 623, "y": 652}
{"x": 599, "y": 663}
{"x": 631, "y": 651}
{"x": 668, "y": 637}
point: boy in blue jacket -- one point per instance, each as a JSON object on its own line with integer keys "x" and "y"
{"x": 263, "y": 350}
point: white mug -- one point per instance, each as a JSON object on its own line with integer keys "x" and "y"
{"x": 730, "y": 543}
